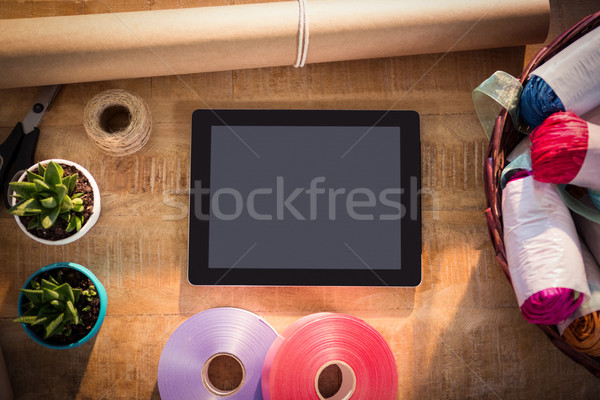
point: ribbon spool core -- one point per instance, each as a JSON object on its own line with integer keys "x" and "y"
{"x": 115, "y": 118}
{"x": 223, "y": 374}
{"x": 346, "y": 386}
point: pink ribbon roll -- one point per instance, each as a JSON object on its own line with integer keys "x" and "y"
{"x": 306, "y": 348}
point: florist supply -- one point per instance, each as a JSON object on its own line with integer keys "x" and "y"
{"x": 566, "y": 149}
{"x": 570, "y": 81}
{"x": 543, "y": 251}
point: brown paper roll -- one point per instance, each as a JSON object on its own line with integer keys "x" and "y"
{"x": 50, "y": 50}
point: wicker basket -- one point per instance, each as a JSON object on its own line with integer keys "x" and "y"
{"x": 503, "y": 140}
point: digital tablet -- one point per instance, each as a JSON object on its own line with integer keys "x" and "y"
{"x": 305, "y": 197}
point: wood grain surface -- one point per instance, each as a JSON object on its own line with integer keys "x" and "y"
{"x": 458, "y": 335}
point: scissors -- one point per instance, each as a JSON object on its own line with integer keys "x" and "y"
{"x": 18, "y": 150}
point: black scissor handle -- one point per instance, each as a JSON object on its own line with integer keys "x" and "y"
{"x": 8, "y": 151}
{"x": 17, "y": 153}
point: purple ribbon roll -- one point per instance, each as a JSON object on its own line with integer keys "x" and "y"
{"x": 240, "y": 334}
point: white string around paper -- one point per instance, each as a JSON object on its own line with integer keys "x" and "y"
{"x": 302, "y": 34}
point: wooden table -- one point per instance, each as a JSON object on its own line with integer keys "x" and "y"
{"x": 458, "y": 335}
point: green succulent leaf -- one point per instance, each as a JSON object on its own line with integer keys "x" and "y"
{"x": 31, "y": 311}
{"x": 39, "y": 321}
{"x": 25, "y": 190}
{"x": 76, "y": 294}
{"x": 71, "y": 313}
{"x": 35, "y": 296}
{"x": 90, "y": 292}
{"x": 67, "y": 204}
{"x": 47, "y": 310}
{"x": 74, "y": 223}
{"x": 73, "y": 184}
{"x": 70, "y": 182}
{"x": 26, "y": 208}
{"x": 54, "y": 174}
{"x": 49, "y": 217}
{"x": 66, "y": 180}
{"x": 61, "y": 192}
{"x": 78, "y": 222}
{"x": 77, "y": 195}
{"x": 46, "y": 284}
{"x": 49, "y": 295}
{"x": 60, "y": 305}
{"x": 32, "y": 175}
{"x": 66, "y": 291}
{"x": 51, "y": 305}
{"x": 71, "y": 225}
{"x": 42, "y": 187}
{"x": 26, "y": 319}
{"x": 48, "y": 202}
{"x": 34, "y": 223}
{"x": 54, "y": 326}
{"x": 41, "y": 170}
{"x": 77, "y": 205}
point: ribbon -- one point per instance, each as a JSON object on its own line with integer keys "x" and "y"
{"x": 595, "y": 196}
{"x": 229, "y": 332}
{"x": 521, "y": 163}
{"x": 577, "y": 206}
{"x": 296, "y": 359}
{"x": 501, "y": 90}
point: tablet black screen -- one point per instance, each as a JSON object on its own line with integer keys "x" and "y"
{"x": 284, "y": 197}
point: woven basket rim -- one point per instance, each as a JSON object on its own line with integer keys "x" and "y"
{"x": 504, "y": 138}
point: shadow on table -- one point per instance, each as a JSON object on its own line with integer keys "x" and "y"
{"x": 155, "y": 394}
{"x": 60, "y": 372}
{"x": 298, "y": 300}
{"x": 479, "y": 346}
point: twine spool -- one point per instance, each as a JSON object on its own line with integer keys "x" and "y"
{"x": 118, "y": 122}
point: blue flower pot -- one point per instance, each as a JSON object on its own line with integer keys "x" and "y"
{"x": 99, "y": 289}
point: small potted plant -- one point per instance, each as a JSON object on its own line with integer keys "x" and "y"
{"x": 62, "y": 305}
{"x": 55, "y": 202}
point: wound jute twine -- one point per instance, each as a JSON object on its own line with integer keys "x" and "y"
{"x": 118, "y": 122}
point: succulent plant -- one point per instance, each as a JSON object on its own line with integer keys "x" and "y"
{"x": 52, "y": 305}
{"x": 47, "y": 196}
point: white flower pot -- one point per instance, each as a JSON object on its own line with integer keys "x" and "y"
{"x": 90, "y": 222}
